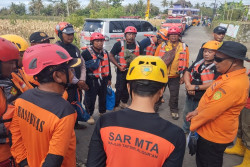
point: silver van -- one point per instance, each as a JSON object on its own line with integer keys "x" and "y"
{"x": 113, "y": 29}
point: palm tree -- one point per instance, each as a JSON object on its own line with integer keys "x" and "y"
{"x": 164, "y": 3}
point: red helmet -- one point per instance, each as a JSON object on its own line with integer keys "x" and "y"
{"x": 130, "y": 29}
{"x": 64, "y": 27}
{"x": 37, "y": 57}
{"x": 8, "y": 51}
{"x": 174, "y": 31}
{"x": 96, "y": 35}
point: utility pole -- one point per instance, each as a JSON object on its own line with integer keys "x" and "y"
{"x": 68, "y": 7}
{"x": 214, "y": 11}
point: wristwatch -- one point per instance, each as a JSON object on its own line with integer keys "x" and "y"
{"x": 197, "y": 87}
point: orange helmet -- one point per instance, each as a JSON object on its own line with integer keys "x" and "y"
{"x": 130, "y": 29}
{"x": 96, "y": 35}
{"x": 64, "y": 27}
{"x": 163, "y": 33}
{"x": 174, "y": 31}
{"x": 213, "y": 45}
{"x": 8, "y": 51}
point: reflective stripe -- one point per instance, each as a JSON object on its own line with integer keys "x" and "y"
{"x": 162, "y": 49}
{"x": 207, "y": 75}
{"x": 183, "y": 64}
{"x": 103, "y": 69}
{"x": 121, "y": 60}
{"x": 150, "y": 50}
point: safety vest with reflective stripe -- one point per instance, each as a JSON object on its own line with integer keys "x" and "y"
{"x": 162, "y": 49}
{"x": 103, "y": 69}
{"x": 6, "y": 115}
{"x": 183, "y": 64}
{"x": 121, "y": 59}
{"x": 150, "y": 50}
{"x": 207, "y": 74}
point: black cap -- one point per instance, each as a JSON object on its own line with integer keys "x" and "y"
{"x": 220, "y": 30}
{"x": 39, "y": 37}
{"x": 68, "y": 30}
{"x": 234, "y": 49}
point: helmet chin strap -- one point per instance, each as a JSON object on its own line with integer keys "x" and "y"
{"x": 67, "y": 84}
{"x": 210, "y": 60}
{"x": 229, "y": 67}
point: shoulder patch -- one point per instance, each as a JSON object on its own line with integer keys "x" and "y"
{"x": 217, "y": 95}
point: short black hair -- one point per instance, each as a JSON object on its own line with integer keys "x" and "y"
{"x": 145, "y": 88}
{"x": 46, "y": 75}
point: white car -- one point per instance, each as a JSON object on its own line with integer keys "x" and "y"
{"x": 113, "y": 29}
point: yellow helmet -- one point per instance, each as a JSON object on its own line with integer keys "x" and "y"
{"x": 20, "y": 42}
{"x": 150, "y": 68}
{"x": 213, "y": 45}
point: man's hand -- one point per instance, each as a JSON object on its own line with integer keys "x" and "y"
{"x": 191, "y": 115}
{"x": 109, "y": 82}
{"x": 181, "y": 80}
{"x": 82, "y": 85}
{"x": 191, "y": 92}
{"x": 121, "y": 68}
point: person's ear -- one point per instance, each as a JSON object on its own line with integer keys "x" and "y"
{"x": 58, "y": 76}
{"x": 128, "y": 86}
{"x": 162, "y": 91}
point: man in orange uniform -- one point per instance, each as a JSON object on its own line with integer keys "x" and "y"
{"x": 198, "y": 78}
{"x": 43, "y": 123}
{"x": 216, "y": 118}
{"x": 9, "y": 56}
{"x": 177, "y": 54}
{"x": 120, "y": 49}
{"x": 137, "y": 136}
{"x": 242, "y": 144}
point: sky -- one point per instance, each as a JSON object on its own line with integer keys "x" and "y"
{"x": 7, "y": 3}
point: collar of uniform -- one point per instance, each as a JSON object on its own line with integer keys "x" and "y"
{"x": 233, "y": 73}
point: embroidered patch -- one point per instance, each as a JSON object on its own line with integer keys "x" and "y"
{"x": 217, "y": 95}
{"x": 13, "y": 91}
{"x": 146, "y": 70}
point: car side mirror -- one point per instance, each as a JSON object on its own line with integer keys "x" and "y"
{"x": 162, "y": 22}
{"x": 155, "y": 29}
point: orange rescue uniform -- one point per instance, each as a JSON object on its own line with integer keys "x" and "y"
{"x": 43, "y": 130}
{"x": 219, "y": 108}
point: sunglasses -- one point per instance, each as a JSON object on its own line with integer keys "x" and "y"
{"x": 219, "y": 59}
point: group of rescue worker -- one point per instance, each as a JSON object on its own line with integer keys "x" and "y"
{"x": 40, "y": 83}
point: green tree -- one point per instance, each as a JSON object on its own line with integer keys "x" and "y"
{"x": 17, "y": 9}
{"x": 73, "y": 5}
{"x": 48, "y": 10}
{"x": 115, "y": 2}
{"x": 35, "y": 7}
{"x": 4, "y": 11}
{"x": 164, "y": 3}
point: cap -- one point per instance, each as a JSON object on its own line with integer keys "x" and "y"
{"x": 234, "y": 49}
{"x": 68, "y": 30}
{"x": 39, "y": 37}
{"x": 220, "y": 30}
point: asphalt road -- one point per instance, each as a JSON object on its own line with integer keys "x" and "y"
{"x": 194, "y": 37}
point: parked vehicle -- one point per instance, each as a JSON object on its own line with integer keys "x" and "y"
{"x": 177, "y": 21}
{"x": 113, "y": 29}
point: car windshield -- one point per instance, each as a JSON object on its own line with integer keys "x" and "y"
{"x": 173, "y": 21}
{"x": 92, "y": 26}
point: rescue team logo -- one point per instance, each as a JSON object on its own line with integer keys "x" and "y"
{"x": 13, "y": 91}
{"x": 135, "y": 142}
{"x": 217, "y": 95}
{"x": 146, "y": 70}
